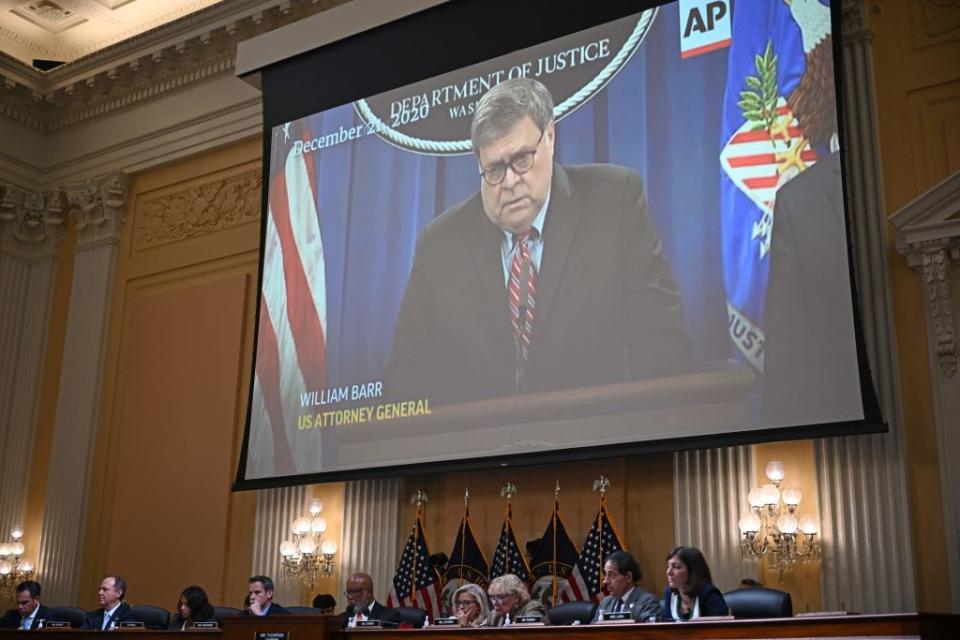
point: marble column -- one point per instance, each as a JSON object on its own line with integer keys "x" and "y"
{"x": 276, "y": 509}
{"x": 371, "y": 522}
{"x": 99, "y": 219}
{"x": 865, "y": 518}
{"x": 711, "y": 488}
{"x": 31, "y": 228}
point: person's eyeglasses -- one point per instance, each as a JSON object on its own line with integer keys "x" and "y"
{"x": 520, "y": 162}
{"x": 463, "y": 604}
{"x": 500, "y": 597}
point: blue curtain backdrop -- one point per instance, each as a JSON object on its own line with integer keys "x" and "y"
{"x": 660, "y": 116}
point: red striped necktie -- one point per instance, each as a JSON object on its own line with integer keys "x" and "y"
{"x": 521, "y": 293}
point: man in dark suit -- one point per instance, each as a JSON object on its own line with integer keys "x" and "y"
{"x": 260, "y": 598}
{"x": 361, "y": 605}
{"x": 549, "y": 278}
{"x": 113, "y": 610}
{"x": 29, "y": 611}
{"x": 810, "y": 357}
{"x": 620, "y": 575}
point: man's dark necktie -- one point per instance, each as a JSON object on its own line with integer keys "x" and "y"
{"x": 521, "y": 293}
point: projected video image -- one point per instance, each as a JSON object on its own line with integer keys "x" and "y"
{"x": 631, "y": 233}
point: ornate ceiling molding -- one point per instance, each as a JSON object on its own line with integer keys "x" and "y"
{"x": 928, "y": 236}
{"x": 182, "y": 53}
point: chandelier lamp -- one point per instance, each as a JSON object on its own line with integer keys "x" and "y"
{"x": 774, "y": 528}
{"x": 307, "y": 556}
{"x": 14, "y": 569}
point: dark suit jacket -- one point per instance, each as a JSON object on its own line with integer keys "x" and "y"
{"x": 274, "y": 610}
{"x": 710, "y": 600}
{"x": 642, "y": 605}
{"x": 11, "y": 619}
{"x": 94, "y": 619}
{"x": 810, "y": 361}
{"x": 607, "y": 305}
{"x": 386, "y": 615}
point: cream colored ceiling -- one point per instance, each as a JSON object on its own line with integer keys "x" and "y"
{"x": 65, "y": 30}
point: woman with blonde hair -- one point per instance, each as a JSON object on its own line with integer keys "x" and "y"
{"x": 470, "y": 606}
{"x": 510, "y": 600}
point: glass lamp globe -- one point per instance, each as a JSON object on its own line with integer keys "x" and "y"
{"x": 4, "y": 548}
{"x": 300, "y": 526}
{"x": 319, "y": 525}
{"x": 307, "y": 546}
{"x": 755, "y": 497}
{"x": 809, "y": 524}
{"x": 329, "y": 547}
{"x": 17, "y": 549}
{"x": 749, "y": 523}
{"x": 316, "y": 506}
{"x": 792, "y": 496}
{"x": 287, "y": 549}
{"x": 16, "y": 532}
{"x": 5, "y": 568}
{"x": 787, "y": 523}
{"x": 26, "y": 566}
{"x": 770, "y": 495}
{"x": 775, "y": 470}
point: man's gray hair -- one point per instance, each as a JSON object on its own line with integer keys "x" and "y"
{"x": 505, "y": 105}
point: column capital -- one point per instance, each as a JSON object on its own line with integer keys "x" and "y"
{"x": 854, "y": 21}
{"x": 31, "y": 223}
{"x": 99, "y": 210}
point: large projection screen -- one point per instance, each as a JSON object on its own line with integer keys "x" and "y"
{"x": 658, "y": 260}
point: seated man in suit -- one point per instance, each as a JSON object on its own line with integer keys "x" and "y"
{"x": 29, "y": 611}
{"x": 550, "y": 277}
{"x": 620, "y": 575}
{"x": 260, "y": 598}
{"x": 361, "y": 605}
{"x": 113, "y": 610}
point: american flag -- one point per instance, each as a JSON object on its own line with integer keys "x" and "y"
{"x": 467, "y": 562}
{"x": 291, "y": 339}
{"x": 417, "y": 581}
{"x": 603, "y": 539}
{"x": 508, "y": 557}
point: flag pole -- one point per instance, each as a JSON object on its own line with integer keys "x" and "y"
{"x": 556, "y": 508}
{"x": 601, "y": 484}
{"x": 463, "y": 530}
{"x": 420, "y": 498}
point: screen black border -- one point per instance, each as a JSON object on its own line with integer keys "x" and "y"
{"x": 444, "y": 38}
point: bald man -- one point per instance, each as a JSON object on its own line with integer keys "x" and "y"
{"x": 361, "y": 605}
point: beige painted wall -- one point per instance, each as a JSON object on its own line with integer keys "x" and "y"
{"x": 917, "y": 59}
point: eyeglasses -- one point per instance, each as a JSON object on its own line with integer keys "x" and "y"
{"x": 463, "y": 604}
{"x": 500, "y": 597}
{"x": 520, "y": 162}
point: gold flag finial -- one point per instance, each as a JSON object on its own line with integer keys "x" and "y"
{"x": 419, "y": 498}
{"x": 466, "y": 496}
{"x": 601, "y": 484}
{"x": 556, "y": 491}
{"x": 508, "y": 491}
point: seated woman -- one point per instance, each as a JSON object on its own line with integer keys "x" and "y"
{"x": 690, "y": 593}
{"x": 470, "y": 606}
{"x": 193, "y": 607}
{"x": 510, "y": 600}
